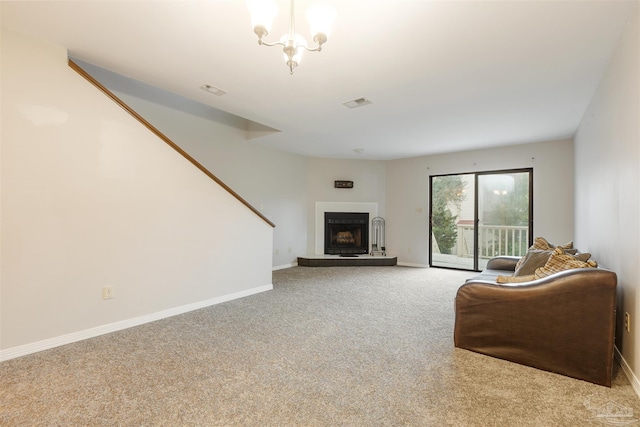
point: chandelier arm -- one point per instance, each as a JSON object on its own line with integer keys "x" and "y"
{"x": 315, "y": 49}
{"x": 263, "y": 43}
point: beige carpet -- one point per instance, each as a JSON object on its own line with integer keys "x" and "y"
{"x": 337, "y": 346}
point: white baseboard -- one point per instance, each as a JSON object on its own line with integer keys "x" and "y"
{"x": 282, "y": 267}
{"x": 409, "y": 264}
{"x": 635, "y": 384}
{"x": 23, "y": 350}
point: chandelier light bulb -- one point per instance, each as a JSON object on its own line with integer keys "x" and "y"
{"x": 321, "y": 17}
{"x": 263, "y": 13}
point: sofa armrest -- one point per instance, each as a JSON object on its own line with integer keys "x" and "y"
{"x": 563, "y": 323}
{"x": 507, "y": 263}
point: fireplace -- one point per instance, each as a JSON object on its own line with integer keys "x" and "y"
{"x": 346, "y": 233}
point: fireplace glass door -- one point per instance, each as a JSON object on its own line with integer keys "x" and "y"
{"x": 346, "y": 233}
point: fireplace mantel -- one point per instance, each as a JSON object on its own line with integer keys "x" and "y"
{"x": 322, "y": 207}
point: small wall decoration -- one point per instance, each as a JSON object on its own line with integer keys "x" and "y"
{"x": 343, "y": 184}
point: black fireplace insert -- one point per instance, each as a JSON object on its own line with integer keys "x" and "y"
{"x": 346, "y": 233}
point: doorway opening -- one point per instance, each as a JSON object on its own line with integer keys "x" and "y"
{"x": 474, "y": 217}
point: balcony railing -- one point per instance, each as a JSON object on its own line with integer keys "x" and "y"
{"x": 494, "y": 240}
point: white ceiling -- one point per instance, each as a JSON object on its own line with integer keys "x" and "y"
{"x": 442, "y": 75}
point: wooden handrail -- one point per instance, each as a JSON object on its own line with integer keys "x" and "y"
{"x": 163, "y": 137}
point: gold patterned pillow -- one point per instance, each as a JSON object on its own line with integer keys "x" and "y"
{"x": 542, "y": 244}
{"x": 515, "y": 279}
{"x": 559, "y": 261}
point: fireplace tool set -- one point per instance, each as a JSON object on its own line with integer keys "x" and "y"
{"x": 377, "y": 237}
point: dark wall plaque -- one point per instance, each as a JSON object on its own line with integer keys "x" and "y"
{"x": 343, "y": 184}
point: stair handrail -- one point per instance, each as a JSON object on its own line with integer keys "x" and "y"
{"x": 164, "y": 138}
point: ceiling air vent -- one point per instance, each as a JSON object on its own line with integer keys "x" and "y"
{"x": 356, "y": 103}
{"x": 214, "y": 90}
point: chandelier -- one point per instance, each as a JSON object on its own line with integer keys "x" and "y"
{"x": 319, "y": 15}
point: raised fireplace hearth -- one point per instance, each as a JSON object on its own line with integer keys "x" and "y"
{"x": 346, "y": 233}
{"x": 339, "y": 261}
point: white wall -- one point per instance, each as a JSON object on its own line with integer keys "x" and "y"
{"x": 283, "y": 186}
{"x": 607, "y": 197}
{"x": 91, "y": 198}
{"x": 407, "y": 194}
{"x": 286, "y": 187}
{"x": 369, "y": 185}
{"x": 270, "y": 180}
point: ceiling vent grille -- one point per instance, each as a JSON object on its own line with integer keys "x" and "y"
{"x": 360, "y": 102}
{"x": 214, "y": 90}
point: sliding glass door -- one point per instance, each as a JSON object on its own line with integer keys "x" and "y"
{"x": 477, "y": 216}
{"x": 451, "y": 213}
{"x": 504, "y": 215}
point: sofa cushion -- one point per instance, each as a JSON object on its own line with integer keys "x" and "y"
{"x": 584, "y": 257}
{"x": 490, "y": 275}
{"x": 535, "y": 258}
{"x": 542, "y": 244}
{"x": 559, "y": 261}
{"x": 515, "y": 279}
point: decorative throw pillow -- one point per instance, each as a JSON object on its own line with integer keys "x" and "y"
{"x": 559, "y": 261}
{"x": 542, "y": 244}
{"x": 514, "y": 279}
{"x": 534, "y": 258}
{"x": 582, "y": 256}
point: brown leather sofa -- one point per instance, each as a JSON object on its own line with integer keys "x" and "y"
{"x": 563, "y": 323}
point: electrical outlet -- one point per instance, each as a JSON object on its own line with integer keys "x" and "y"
{"x": 107, "y": 292}
{"x": 627, "y": 322}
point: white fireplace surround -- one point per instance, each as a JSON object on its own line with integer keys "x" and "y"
{"x": 322, "y": 207}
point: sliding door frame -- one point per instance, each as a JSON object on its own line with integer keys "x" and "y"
{"x": 476, "y": 220}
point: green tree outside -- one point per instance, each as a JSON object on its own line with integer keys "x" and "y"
{"x": 446, "y": 191}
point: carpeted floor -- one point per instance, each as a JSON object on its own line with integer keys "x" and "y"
{"x": 337, "y": 346}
